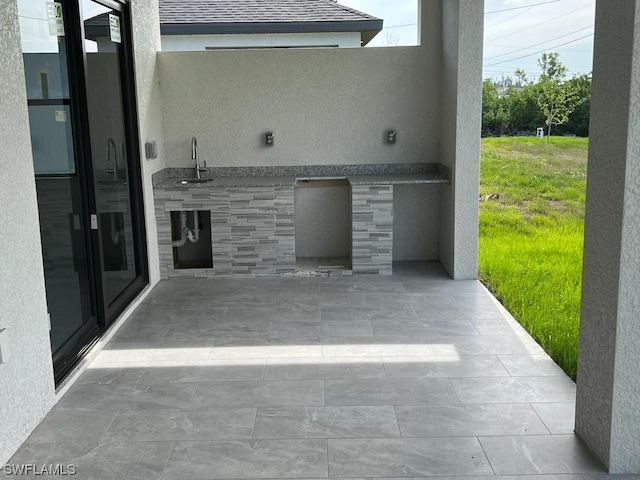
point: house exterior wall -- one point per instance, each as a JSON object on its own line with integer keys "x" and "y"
{"x": 146, "y": 37}
{"x": 325, "y": 106}
{"x": 460, "y": 148}
{"x": 26, "y": 378}
{"x": 263, "y": 40}
{"x": 608, "y": 387}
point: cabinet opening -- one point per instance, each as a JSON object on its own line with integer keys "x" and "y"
{"x": 191, "y": 239}
{"x": 323, "y": 225}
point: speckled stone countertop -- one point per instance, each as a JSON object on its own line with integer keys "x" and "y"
{"x": 376, "y": 174}
{"x": 225, "y": 182}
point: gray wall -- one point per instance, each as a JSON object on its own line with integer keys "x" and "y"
{"x": 323, "y": 221}
{"x": 26, "y": 379}
{"x": 146, "y": 34}
{"x": 325, "y": 106}
{"x": 461, "y": 120}
{"x": 416, "y": 222}
{"x": 607, "y": 414}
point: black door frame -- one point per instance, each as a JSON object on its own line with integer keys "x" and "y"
{"x": 68, "y": 356}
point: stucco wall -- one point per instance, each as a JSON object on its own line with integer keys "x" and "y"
{"x": 416, "y": 222}
{"x": 461, "y": 120}
{"x": 607, "y": 415}
{"x": 146, "y": 37}
{"x": 26, "y": 379}
{"x": 201, "y": 42}
{"x": 325, "y": 106}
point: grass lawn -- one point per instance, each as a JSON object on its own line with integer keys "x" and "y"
{"x": 531, "y": 237}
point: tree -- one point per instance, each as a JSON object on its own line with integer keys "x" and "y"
{"x": 579, "y": 121}
{"x": 495, "y": 112}
{"x": 558, "y": 98}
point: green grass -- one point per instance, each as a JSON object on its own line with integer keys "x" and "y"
{"x": 531, "y": 237}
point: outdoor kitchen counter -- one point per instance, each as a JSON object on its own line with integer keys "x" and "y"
{"x": 277, "y": 181}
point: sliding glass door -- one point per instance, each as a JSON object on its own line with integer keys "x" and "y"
{"x": 81, "y": 102}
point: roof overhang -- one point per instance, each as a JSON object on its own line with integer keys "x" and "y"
{"x": 367, "y": 28}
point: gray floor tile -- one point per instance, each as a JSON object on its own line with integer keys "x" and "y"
{"x": 468, "y": 420}
{"x": 396, "y": 391}
{"x": 558, "y": 417}
{"x": 259, "y": 394}
{"x": 323, "y": 368}
{"x": 111, "y": 375}
{"x": 248, "y": 459}
{"x": 237, "y": 298}
{"x": 271, "y": 314}
{"x": 514, "y": 389}
{"x": 406, "y": 457}
{"x": 402, "y": 299}
{"x": 93, "y": 396}
{"x": 531, "y": 365}
{"x": 132, "y": 332}
{"x": 133, "y": 461}
{"x": 296, "y": 329}
{"x": 171, "y": 315}
{"x": 368, "y": 313}
{"x": 221, "y": 327}
{"x": 423, "y": 328}
{"x": 510, "y": 477}
{"x": 170, "y": 425}
{"x": 325, "y": 300}
{"x": 486, "y": 345}
{"x": 539, "y": 454}
{"x": 72, "y": 427}
{"x": 204, "y": 371}
{"x": 498, "y": 327}
{"x": 342, "y": 328}
{"x": 363, "y": 287}
{"x": 376, "y": 347}
{"x": 266, "y": 347}
{"x": 203, "y": 356}
{"x": 162, "y": 350}
{"x": 441, "y": 366}
{"x": 456, "y": 309}
{"x": 326, "y": 422}
{"x": 608, "y": 476}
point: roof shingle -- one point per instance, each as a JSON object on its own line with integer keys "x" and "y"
{"x": 257, "y": 11}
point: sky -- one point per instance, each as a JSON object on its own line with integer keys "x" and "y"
{"x": 516, "y": 32}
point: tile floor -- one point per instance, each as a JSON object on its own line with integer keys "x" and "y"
{"x": 412, "y": 375}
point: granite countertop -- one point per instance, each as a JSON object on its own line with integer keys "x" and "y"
{"x": 223, "y": 182}
{"x": 397, "y": 178}
{"x": 429, "y": 173}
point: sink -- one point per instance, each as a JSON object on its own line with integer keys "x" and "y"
{"x": 194, "y": 180}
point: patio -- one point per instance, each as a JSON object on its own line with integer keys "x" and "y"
{"x": 411, "y": 375}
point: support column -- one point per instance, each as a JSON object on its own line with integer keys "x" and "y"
{"x": 607, "y": 413}
{"x": 462, "y": 31}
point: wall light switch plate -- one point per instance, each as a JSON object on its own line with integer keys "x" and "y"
{"x": 4, "y": 346}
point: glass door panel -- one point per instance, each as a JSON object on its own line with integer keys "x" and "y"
{"x": 63, "y": 227}
{"x": 107, "y": 131}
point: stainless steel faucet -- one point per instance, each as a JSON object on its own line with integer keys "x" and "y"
{"x": 194, "y": 157}
{"x": 111, "y": 146}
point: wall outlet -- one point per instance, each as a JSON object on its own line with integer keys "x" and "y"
{"x": 4, "y": 346}
{"x": 268, "y": 139}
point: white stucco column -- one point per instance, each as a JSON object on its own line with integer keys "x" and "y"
{"x": 26, "y": 371}
{"x": 146, "y": 37}
{"x": 462, "y": 32}
{"x": 607, "y": 411}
